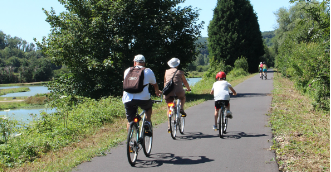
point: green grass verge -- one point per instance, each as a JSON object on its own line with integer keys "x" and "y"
{"x": 301, "y": 134}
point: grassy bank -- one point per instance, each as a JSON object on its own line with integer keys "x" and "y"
{"x": 13, "y": 90}
{"x": 23, "y": 84}
{"x": 301, "y": 134}
{"x": 195, "y": 74}
{"x": 23, "y": 102}
{"x": 56, "y": 148}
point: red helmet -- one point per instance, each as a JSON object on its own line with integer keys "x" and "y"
{"x": 221, "y": 75}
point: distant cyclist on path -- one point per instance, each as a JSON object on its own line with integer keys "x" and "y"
{"x": 265, "y": 68}
{"x": 260, "y": 69}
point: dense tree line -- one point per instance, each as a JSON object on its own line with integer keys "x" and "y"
{"x": 21, "y": 61}
{"x": 267, "y": 37}
{"x": 302, "y": 47}
{"x": 97, "y": 41}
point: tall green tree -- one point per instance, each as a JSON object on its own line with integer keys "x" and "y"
{"x": 234, "y": 32}
{"x": 98, "y": 39}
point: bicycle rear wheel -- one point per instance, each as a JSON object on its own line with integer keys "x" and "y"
{"x": 221, "y": 122}
{"x": 132, "y": 144}
{"x": 173, "y": 126}
{"x": 148, "y": 141}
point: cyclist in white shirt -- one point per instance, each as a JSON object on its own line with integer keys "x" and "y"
{"x": 143, "y": 99}
{"x": 220, "y": 91}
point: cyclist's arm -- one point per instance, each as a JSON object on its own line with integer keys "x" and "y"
{"x": 186, "y": 83}
{"x": 212, "y": 92}
{"x": 233, "y": 91}
{"x": 156, "y": 88}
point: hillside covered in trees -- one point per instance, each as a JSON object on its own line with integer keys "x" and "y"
{"x": 21, "y": 61}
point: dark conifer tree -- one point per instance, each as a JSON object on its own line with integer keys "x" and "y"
{"x": 234, "y": 32}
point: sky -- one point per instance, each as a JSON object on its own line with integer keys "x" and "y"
{"x": 25, "y": 18}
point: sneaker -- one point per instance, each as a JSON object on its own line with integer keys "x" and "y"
{"x": 214, "y": 127}
{"x": 183, "y": 113}
{"x": 148, "y": 126}
{"x": 169, "y": 130}
{"x": 229, "y": 114}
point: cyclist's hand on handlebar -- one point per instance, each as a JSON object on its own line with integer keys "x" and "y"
{"x": 188, "y": 89}
{"x": 158, "y": 93}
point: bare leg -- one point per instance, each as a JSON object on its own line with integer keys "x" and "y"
{"x": 216, "y": 112}
{"x": 148, "y": 115}
{"x": 168, "y": 116}
{"x": 127, "y": 126}
{"x": 182, "y": 102}
{"x": 228, "y": 107}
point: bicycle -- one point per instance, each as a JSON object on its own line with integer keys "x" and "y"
{"x": 140, "y": 136}
{"x": 176, "y": 121}
{"x": 222, "y": 120}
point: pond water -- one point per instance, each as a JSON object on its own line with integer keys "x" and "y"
{"x": 33, "y": 91}
{"x": 24, "y": 114}
{"x": 192, "y": 81}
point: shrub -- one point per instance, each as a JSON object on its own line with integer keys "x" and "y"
{"x": 236, "y": 72}
{"x": 241, "y": 63}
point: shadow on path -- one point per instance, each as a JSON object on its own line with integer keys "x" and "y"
{"x": 240, "y": 135}
{"x": 193, "y": 136}
{"x": 241, "y": 95}
{"x": 170, "y": 158}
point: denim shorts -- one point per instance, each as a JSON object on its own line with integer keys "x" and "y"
{"x": 131, "y": 107}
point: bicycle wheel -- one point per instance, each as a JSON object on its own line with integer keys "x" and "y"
{"x": 173, "y": 126}
{"x": 147, "y": 145}
{"x": 262, "y": 76}
{"x": 181, "y": 125}
{"x": 225, "y": 124}
{"x": 221, "y": 122}
{"x": 132, "y": 144}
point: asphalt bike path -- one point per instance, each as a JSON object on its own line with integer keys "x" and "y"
{"x": 245, "y": 146}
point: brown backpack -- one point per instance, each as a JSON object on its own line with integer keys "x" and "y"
{"x": 134, "y": 80}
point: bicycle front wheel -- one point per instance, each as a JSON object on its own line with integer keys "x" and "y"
{"x": 132, "y": 144}
{"x": 147, "y": 145}
{"x": 225, "y": 124}
{"x": 182, "y": 125}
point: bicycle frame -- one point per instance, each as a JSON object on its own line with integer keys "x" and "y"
{"x": 137, "y": 119}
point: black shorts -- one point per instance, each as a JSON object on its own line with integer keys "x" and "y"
{"x": 218, "y": 103}
{"x": 131, "y": 107}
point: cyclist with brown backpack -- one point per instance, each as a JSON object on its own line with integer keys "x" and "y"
{"x": 135, "y": 89}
